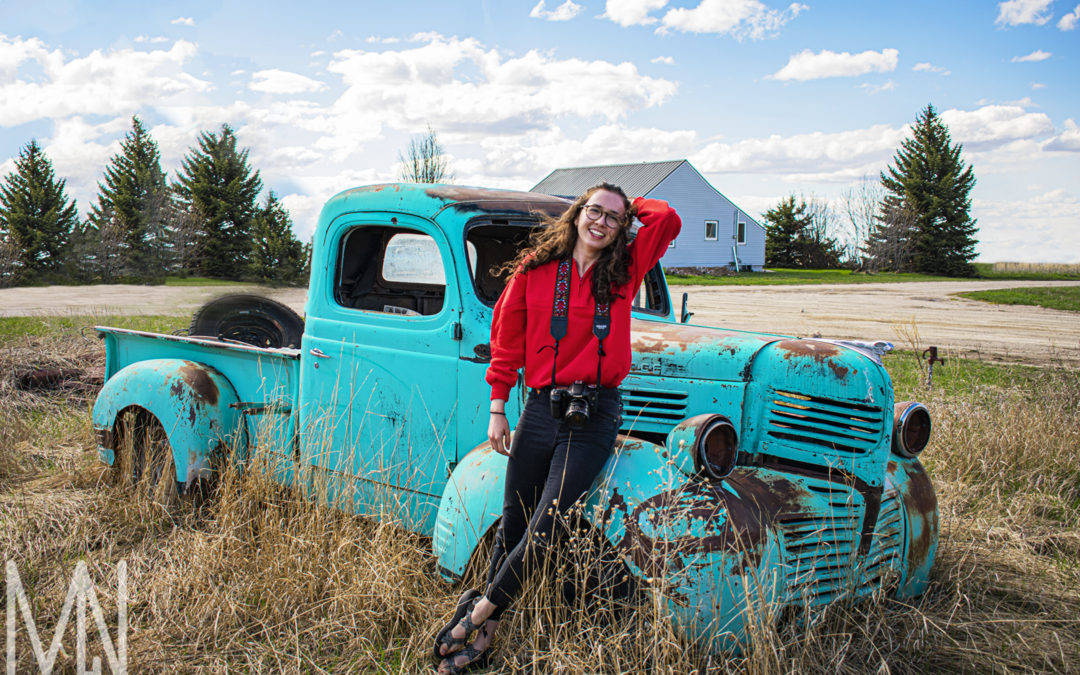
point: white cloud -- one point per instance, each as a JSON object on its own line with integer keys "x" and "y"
{"x": 740, "y": 18}
{"x": 524, "y": 159}
{"x": 878, "y": 88}
{"x": 666, "y": 60}
{"x": 1066, "y": 141}
{"x": 846, "y": 155}
{"x": 930, "y": 68}
{"x": 375, "y": 39}
{"x": 837, "y": 154}
{"x": 1035, "y": 229}
{"x": 632, "y": 12}
{"x": 183, "y": 21}
{"x": 458, "y": 85}
{"x": 276, "y": 81}
{"x": 1069, "y": 21}
{"x": 1038, "y": 85}
{"x": 1018, "y": 12}
{"x": 564, "y": 12}
{"x": 806, "y": 65}
{"x": 150, "y": 40}
{"x": 103, "y": 82}
{"x": 1037, "y": 55}
{"x": 995, "y": 125}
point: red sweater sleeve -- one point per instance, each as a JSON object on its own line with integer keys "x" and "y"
{"x": 659, "y": 227}
{"x": 507, "y": 338}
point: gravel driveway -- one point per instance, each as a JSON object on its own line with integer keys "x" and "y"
{"x": 900, "y": 313}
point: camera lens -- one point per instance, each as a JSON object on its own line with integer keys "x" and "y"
{"x": 577, "y": 413}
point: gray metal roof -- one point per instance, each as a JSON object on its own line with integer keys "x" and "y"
{"x": 635, "y": 179}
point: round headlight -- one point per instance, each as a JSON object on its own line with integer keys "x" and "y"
{"x": 911, "y": 428}
{"x": 717, "y": 447}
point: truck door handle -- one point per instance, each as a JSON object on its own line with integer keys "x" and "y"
{"x": 315, "y": 351}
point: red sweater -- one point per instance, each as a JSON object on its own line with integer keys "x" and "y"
{"x": 521, "y": 326}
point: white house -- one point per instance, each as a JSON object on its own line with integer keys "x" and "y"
{"x": 715, "y": 232}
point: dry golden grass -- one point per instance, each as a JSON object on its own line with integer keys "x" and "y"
{"x": 1038, "y": 268}
{"x": 258, "y": 578}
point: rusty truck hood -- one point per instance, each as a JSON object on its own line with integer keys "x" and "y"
{"x": 704, "y": 353}
{"x": 685, "y": 350}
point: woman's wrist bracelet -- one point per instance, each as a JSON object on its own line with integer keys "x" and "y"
{"x": 497, "y": 412}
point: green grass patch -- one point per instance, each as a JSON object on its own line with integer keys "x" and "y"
{"x": 203, "y": 281}
{"x": 13, "y": 328}
{"x": 783, "y": 276}
{"x": 779, "y": 277}
{"x": 957, "y": 376}
{"x": 1054, "y": 297}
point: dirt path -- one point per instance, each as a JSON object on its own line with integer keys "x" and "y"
{"x": 898, "y": 313}
{"x": 925, "y": 313}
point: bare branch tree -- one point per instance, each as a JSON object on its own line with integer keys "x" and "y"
{"x": 861, "y": 204}
{"x": 425, "y": 161}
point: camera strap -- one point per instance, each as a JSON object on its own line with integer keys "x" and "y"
{"x": 560, "y": 311}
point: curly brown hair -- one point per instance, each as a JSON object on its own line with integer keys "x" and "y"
{"x": 557, "y": 240}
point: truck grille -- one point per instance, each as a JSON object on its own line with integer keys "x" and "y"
{"x": 822, "y": 549}
{"x": 824, "y": 423}
{"x": 883, "y": 560}
{"x": 653, "y": 405}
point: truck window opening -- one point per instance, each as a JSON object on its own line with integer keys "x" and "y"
{"x": 392, "y": 270}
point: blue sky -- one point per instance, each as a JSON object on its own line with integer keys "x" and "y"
{"x": 766, "y": 99}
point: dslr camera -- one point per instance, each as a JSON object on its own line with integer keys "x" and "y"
{"x": 574, "y": 404}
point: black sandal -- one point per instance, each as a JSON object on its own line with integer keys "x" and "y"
{"x": 477, "y": 659}
{"x": 462, "y": 616}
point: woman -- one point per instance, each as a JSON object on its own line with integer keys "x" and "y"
{"x": 584, "y": 271}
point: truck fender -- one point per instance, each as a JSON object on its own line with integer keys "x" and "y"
{"x": 193, "y": 402}
{"x": 471, "y": 504}
{"x": 920, "y": 524}
{"x": 702, "y": 539}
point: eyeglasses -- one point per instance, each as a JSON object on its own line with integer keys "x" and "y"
{"x": 610, "y": 219}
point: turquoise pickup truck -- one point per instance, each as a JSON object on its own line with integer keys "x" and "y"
{"x": 750, "y": 466}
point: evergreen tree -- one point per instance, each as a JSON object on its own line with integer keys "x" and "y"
{"x": 36, "y": 216}
{"x": 796, "y": 235}
{"x": 784, "y": 223}
{"x": 277, "y": 256}
{"x": 216, "y": 182}
{"x": 134, "y": 202}
{"x": 929, "y": 180}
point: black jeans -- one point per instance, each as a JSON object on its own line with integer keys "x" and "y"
{"x": 551, "y": 467}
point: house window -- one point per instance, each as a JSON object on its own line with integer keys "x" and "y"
{"x": 741, "y": 233}
{"x": 711, "y": 230}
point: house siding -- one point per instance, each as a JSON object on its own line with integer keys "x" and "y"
{"x": 697, "y": 201}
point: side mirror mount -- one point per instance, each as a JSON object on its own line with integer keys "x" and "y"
{"x": 684, "y": 316}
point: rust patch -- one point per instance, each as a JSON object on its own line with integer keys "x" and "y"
{"x": 735, "y": 517}
{"x": 822, "y": 352}
{"x": 838, "y": 370}
{"x": 921, "y": 502}
{"x": 199, "y": 380}
{"x": 819, "y": 351}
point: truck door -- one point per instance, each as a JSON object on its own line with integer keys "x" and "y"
{"x": 379, "y": 369}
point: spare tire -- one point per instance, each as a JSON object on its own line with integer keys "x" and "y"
{"x": 251, "y": 319}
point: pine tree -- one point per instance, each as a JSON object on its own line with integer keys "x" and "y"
{"x": 277, "y": 256}
{"x": 134, "y": 201}
{"x": 216, "y": 182}
{"x": 929, "y": 180}
{"x": 783, "y": 225}
{"x": 36, "y": 216}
